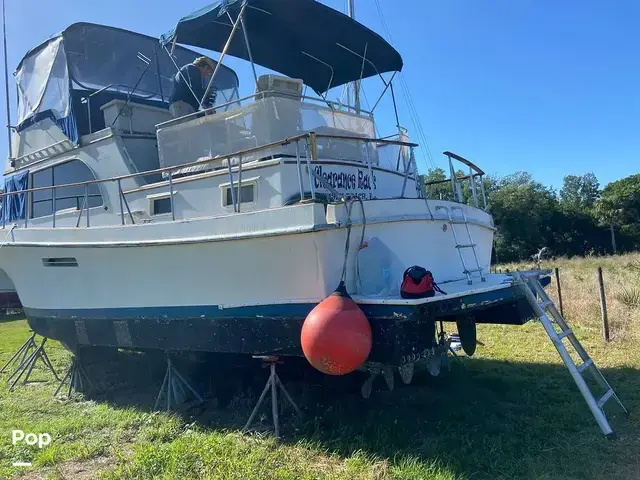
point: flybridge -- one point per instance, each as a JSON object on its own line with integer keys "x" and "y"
{"x": 65, "y": 81}
{"x": 298, "y": 38}
{"x": 70, "y": 76}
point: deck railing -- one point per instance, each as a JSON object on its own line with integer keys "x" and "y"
{"x": 223, "y": 107}
{"x": 306, "y": 147}
{"x": 475, "y": 174}
{"x": 266, "y": 120}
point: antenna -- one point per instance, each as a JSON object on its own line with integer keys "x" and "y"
{"x": 351, "y": 11}
{"x": 6, "y": 77}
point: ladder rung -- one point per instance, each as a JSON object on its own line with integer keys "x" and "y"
{"x": 585, "y": 365}
{"x": 466, "y": 245}
{"x": 605, "y": 397}
{"x": 472, "y": 270}
{"x": 566, "y": 333}
{"x": 530, "y": 287}
{"x": 545, "y": 304}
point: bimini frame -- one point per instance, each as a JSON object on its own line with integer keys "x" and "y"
{"x": 239, "y": 23}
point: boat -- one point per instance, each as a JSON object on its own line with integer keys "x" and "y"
{"x": 220, "y": 231}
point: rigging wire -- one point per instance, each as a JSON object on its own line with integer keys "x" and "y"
{"x": 413, "y": 112}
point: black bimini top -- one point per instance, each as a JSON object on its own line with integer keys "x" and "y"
{"x": 298, "y": 38}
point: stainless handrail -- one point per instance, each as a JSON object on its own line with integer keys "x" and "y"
{"x": 311, "y": 155}
{"x": 239, "y": 181}
{"x": 286, "y": 141}
{"x": 455, "y": 180}
{"x": 299, "y": 167}
{"x": 68, "y": 197}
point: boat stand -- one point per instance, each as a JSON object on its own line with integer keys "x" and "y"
{"x": 76, "y": 375}
{"x": 28, "y": 363}
{"x": 272, "y": 384}
{"x": 23, "y": 350}
{"x": 174, "y": 388}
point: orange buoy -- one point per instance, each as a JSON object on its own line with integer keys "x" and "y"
{"x": 336, "y": 335}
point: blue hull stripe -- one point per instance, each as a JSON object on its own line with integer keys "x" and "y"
{"x": 175, "y": 312}
{"x": 468, "y": 303}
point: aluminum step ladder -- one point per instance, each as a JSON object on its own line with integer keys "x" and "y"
{"x": 463, "y": 220}
{"x": 548, "y": 314}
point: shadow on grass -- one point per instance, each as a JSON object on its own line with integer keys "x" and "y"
{"x": 483, "y": 419}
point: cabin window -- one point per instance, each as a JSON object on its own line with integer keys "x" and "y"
{"x": 247, "y": 193}
{"x": 66, "y": 198}
{"x": 159, "y": 204}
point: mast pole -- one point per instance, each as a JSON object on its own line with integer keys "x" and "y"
{"x": 6, "y": 77}
{"x": 351, "y": 11}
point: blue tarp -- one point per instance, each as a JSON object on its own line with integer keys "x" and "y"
{"x": 286, "y": 35}
{"x": 69, "y": 127}
{"x": 15, "y": 206}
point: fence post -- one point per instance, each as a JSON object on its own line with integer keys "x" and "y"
{"x": 559, "y": 291}
{"x": 603, "y": 307}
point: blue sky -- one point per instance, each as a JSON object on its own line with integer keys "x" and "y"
{"x": 539, "y": 85}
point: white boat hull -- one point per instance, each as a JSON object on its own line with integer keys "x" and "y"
{"x": 246, "y": 291}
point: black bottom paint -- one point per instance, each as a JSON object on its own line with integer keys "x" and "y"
{"x": 398, "y": 332}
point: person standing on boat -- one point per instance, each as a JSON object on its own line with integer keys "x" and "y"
{"x": 191, "y": 82}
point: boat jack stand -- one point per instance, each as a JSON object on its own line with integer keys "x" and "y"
{"x": 27, "y": 364}
{"x": 456, "y": 357}
{"x": 77, "y": 375}
{"x": 272, "y": 384}
{"x": 174, "y": 388}
{"x": 23, "y": 350}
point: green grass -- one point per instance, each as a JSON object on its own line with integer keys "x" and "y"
{"x": 511, "y": 411}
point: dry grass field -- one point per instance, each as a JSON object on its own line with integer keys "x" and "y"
{"x": 621, "y": 275}
{"x": 509, "y": 412}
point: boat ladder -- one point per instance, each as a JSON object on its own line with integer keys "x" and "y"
{"x": 549, "y": 315}
{"x": 463, "y": 220}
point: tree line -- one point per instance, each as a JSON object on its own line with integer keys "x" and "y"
{"x": 579, "y": 219}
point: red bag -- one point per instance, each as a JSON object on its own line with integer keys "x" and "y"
{"x": 418, "y": 283}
